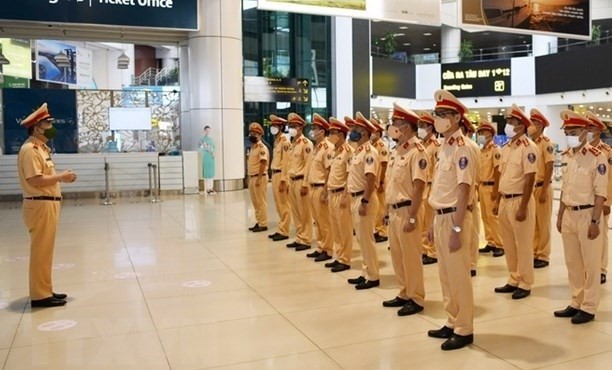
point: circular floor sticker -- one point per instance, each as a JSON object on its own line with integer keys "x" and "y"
{"x": 57, "y": 325}
{"x": 16, "y": 259}
{"x": 197, "y": 284}
{"x": 63, "y": 266}
{"x": 3, "y": 305}
{"x": 127, "y": 275}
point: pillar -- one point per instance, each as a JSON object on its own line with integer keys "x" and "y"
{"x": 342, "y": 100}
{"x": 362, "y": 66}
{"x": 450, "y": 43}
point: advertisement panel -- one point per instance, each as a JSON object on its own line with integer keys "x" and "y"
{"x": 19, "y": 53}
{"x": 56, "y": 62}
{"x": 565, "y": 18}
{"x": 414, "y": 11}
{"x": 477, "y": 78}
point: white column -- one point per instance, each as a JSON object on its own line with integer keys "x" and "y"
{"x": 451, "y": 40}
{"x": 186, "y": 143}
{"x": 342, "y": 103}
{"x": 544, "y": 45}
{"x": 215, "y": 91}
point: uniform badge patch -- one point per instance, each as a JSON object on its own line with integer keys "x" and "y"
{"x": 307, "y": 150}
{"x": 384, "y": 152}
{"x": 329, "y": 156}
{"x": 549, "y": 149}
{"x": 610, "y": 161}
{"x": 463, "y": 163}
{"x": 531, "y": 157}
{"x": 369, "y": 160}
{"x": 602, "y": 169}
{"x": 497, "y": 156}
{"x": 263, "y": 153}
{"x": 286, "y": 148}
{"x": 422, "y": 164}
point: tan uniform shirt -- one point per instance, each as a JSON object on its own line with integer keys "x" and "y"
{"x": 301, "y": 155}
{"x": 280, "y": 160}
{"x": 456, "y": 165}
{"x": 604, "y": 148}
{"x": 490, "y": 157}
{"x": 259, "y": 152}
{"x": 338, "y": 172}
{"x": 364, "y": 161}
{"x": 476, "y": 152}
{"x": 382, "y": 148}
{"x": 432, "y": 146}
{"x": 408, "y": 163}
{"x": 546, "y": 154}
{"x": 519, "y": 158}
{"x": 321, "y": 161}
{"x": 35, "y": 160}
{"x": 585, "y": 175}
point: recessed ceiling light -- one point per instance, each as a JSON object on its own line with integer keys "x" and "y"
{"x": 608, "y": 110}
{"x": 427, "y": 34}
{"x": 426, "y": 49}
{"x": 581, "y": 106}
{"x": 591, "y": 107}
{"x": 403, "y": 27}
{"x": 399, "y": 34}
{"x": 406, "y": 44}
{"x": 435, "y": 45}
{"x": 600, "y": 108}
{"x": 503, "y": 109}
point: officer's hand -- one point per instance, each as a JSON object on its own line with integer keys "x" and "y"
{"x": 559, "y": 223}
{"x": 543, "y": 197}
{"x": 593, "y": 231}
{"x": 493, "y": 197}
{"x": 363, "y": 210}
{"x": 324, "y": 197}
{"x": 408, "y": 227}
{"x": 381, "y": 188}
{"x": 606, "y": 210}
{"x": 68, "y": 176}
{"x": 495, "y": 209}
{"x": 521, "y": 215}
{"x": 454, "y": 243}
{"x": 258, "y": 181}
{"x": 430, "y": 235}
{"x": 304, "y": 191}
{"x": 344, "y": 201}
{"x": 386, "y": 219}
{"x": 282, "y": 187}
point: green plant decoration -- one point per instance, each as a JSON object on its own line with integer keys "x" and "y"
{"x": 466, "y": 51}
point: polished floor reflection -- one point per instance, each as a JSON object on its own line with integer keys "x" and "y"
{"x": 184, "y": 285}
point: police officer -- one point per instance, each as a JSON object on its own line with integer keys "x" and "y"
{"x": 361, "y": 187}
{"x": 380, "y": 228}
{"x": 41, "y": 204}
{"x": 280, "y": 177}
{"x": 490, "y": 155}
{"x": 301, "y": 155}
{"x": 451, "y": 193}
{"x": 427, "y": 133}
{"x": 543, "y": 192}
{"x": 596, "y": 128}
{"x": 583, "y": 193}
{"x": 472, "y": 218}
{"x": 317, "y": 180}
{"x": 338, "y": 197}
{"x": 257, "y": 170}
{"x": 406, "y": 178}
{"x": 515, "y": 204}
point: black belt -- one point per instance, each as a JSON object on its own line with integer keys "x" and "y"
{"x": 334, "y": 191}
{"x": 428, "y": 182}
{"x": 579, "y": 208}
{"x": 510, "y": 196}
{"x": 359, "y": 193}
{"x": 274, "y": 172}
{"x": 539, "y": 184}
{"x": 487, "y": 183}
{"x": 404, "y": 203}
{"x": 296, "y": 178}
{"x": 265, "y": 174}
{"x": 316, "y": 185}
{"x": 444, "y": 211}
{"x": 55, "y": 199}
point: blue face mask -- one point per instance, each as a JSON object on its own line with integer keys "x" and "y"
{"x": 355, "y": 136}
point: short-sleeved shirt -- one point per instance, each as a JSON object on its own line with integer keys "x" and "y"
{"x": 604, "y": 148}
{"x": 301, "y": 155}
{"x": 408, "y": 163}
{"x": 432, "y": 145}
{"x": 364, "y": 161}
{"x": 490, "y": 157}
{"x": 259, "y": 152}
{"x": 546, "y": 154}
{"x": 282, "y": 152}
{"x": 321, "y": 161}
{"x": 456, "y": 165}
{"x": 338, "y": 172}
{"x": 34, "y": 159}
{"x": 585, "y": 175}
{"x": 519, "y": 158}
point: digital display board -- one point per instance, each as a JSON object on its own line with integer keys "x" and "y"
{"x": 276, "y": 90}
{"x": 477, "y": 78}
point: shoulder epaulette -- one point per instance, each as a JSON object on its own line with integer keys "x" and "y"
{"x": 435, "y": 142}
{"x": 325, "y": 146}
{"x": 595, "y": 151}
{"x": 368, "y": 148}
{"x": 566, "y": 151}
{"x": 545, "y": 139}
{"x": 420, "y": 147}
{"x": 460, "y": 141}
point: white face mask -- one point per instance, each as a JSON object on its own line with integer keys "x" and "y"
{"x": 573, "y": 141}
{"x": 293, "y": 132}
{"x": 590, "y": 136}
{"x": 442, "y": 124}
{"x": 509, "y": 131}
{"x": 274, "y": 130}
{"x": 312, "y": 135}
{"x": 482, "y": 139}
{"x": 422, "y": 133}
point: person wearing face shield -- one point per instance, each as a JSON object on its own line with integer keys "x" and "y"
{"x": 380, "y": 229}
{"x": 584, "y": 191}
{"x": 595, "y": 130}
{"x": 301, "y": 156}
{"x": 318, "y": 174}
{"x": 406, "y": 178}
{"x": 543, "y": 191}
{"x": 451, "y": 193}
{"x": 280, "y": 177}
{"x": 42, "y": 195}
{"x": 515, "y": 204}
{"x": 361, "y": 185}
{"x": 427, "y": 134}
{"x": 490, "y": 155}
{"x": 257, "y": 170}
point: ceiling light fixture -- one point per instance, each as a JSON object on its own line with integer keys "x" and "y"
{"x": 427, "y": 34}
{"x": 403, "y": 27}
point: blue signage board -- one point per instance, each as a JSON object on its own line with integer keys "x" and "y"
{"x": 171, "y": 14}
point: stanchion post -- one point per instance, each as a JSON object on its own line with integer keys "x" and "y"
{"x": 107, "y": 199}
{"x": 153, "y": 184}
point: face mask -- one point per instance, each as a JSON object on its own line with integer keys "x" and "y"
{"x": 422, "y": 133}
{"x": 293, "y": 132}
{"x": 50, "y": 133}
{"x": 355, "y": 136}
{"x": 590, "y": 137}
{"x": 394, "y": 132}
{"x": 253, "y": 139}
{"x": 509, "y": 131}
{"x": 482, "y": 139}
{"x": 573, "y": 141}
{"x": 442, "y": 124}
{"x": 313, "y": 135}
{"x": 274, "y": 130}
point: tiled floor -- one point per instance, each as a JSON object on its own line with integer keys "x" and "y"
{"x": 184, "y": 285}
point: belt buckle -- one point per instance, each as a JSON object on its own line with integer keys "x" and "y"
{"x": 569, "y": 208}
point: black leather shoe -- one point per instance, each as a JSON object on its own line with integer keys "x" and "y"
{"x": 292, "y": 245}
{"x": 60, "y": 295}
{"x": 520, "y": 293}
{"x": 569, "y": 311}
{"x": 602, "y": 279}
{"x": 538, "y": 263}
{"x": 489, "y": 248}
{"x": 340, "y": 267}
{"x": 323, "y": 257}
{"x": 409, "y": 308}
{"x": 395, "y": 302}
{"x": 429, "y": 260}
{"x": 505, "y": 289}
{"x": 302, "y": 247}
{"x": 271, "y": 236}
{"x": 582, "y": 317}
{"x": 259, "y": 229}
{"x": 472, "y": 273}
{"x": 367, "y": 285}
{"x": 48, "y": 302}
{"x": 313, "y": 254}
{"x": 356, "y": 281}
{"x": 499, "y": 252}
{"x": 457, "y": 341}
{"x": 279, "y": 238}
{"x": 332, "y": 264}
{"x": 254, "y": 227}
{"x": 443, "y": 333}
{"x": 380, "y": 239}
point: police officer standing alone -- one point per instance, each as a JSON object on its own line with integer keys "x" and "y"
{"x": 259, "y": 157}
{"x": 280, "y": 177}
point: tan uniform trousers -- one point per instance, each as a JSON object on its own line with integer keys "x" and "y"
{"x": 341, "y": 228}
{"x": 426, "y": 217}
{"x": 364, "y": 228}
{"x": 301, "y": 213}
{"x": 583, "y": 259}
{"x": 41, "y": 217}
{"x": 320, "y": 213}
{"x": 454, "y": 270}
{"x": 489, "y": 220}
{"x": 518, "y": 240}
{"x": 281, "y": 200}
{"x": 380, "y": 226}
{"x": 258, "y": 198}
{"x": 406, "y": 252}
{"x": 541, "y": 240}
{"x": 606, "y": 246}
{"x": 474, "y": 230}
